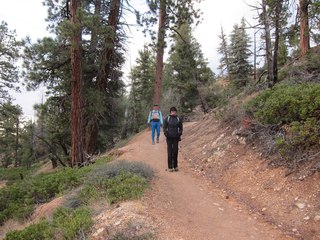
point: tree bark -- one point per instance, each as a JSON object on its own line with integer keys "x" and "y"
{"x": 225, "y": 53}
{"x": 77, "y": 156}
{"x": 269, "y": 58}
{"x": 92, "y": 121}
{"x": 108, "y": 51}
{"x": 105, "y": 69}
{"x": 276, "y": 41}
{"x": 160, "y": 52}
{"x": 304, "y": 27}
{"x": 16, "y": 162}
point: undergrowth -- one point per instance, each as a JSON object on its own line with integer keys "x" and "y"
{"x": 118, "y": 181}
{"x": 115, "y": 182}
{"x": 294, "y": 110}
{"x": 66, "y": 224}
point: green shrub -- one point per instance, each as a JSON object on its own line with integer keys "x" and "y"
{"x": 294, "y": 106}
{"x": 15, "y": 202}
{"x": 103, "y": 177}
{"x": 45, "y": 186}
{"x": 40, "y": 231}
{"x": 114, "y": 168}
{"x": 88, "y": 193}
{"x": 285, "y": 104}
{"x": 12, "y": 174}
{"x": 305, "y": 133}
{"x": 124, "y": 186}
{"x": 18, "y": 200}
{"x": 72, "y": 224}
{"x": 67, "y": 224}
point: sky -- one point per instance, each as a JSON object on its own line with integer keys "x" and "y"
{"x": 27, "y": 18}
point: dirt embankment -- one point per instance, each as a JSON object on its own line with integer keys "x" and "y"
{"x": 291, "y": 203}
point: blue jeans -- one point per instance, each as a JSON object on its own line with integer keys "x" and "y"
{"x": 155, "y": 126}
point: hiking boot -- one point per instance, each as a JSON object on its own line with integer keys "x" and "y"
{"x": 176, "y": 169}
{"x": 170, "y": 170}
{"x": 157, "y": 140}
{"x": 153, "y": 143}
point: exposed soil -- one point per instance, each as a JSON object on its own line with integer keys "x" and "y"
{"x": 291, "y": 203}
{"x": 2, "y": 184}
{"x": 184, "y": 205}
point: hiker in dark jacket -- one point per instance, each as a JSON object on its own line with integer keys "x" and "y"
{"x": 172, "y": 128}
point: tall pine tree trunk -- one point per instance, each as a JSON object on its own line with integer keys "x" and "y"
{"x": 160, "y": 52}
{"x": 276, "y": 41}
{"x": 92, "y": 121}
{"x": 77, "y": 156}
{"x": 269, "y": 58}
{"x": 16, "y": 162}
{"x": 105, "y": 69}
{"x": 224, "y": 49}
{"x": 304, "y": 27}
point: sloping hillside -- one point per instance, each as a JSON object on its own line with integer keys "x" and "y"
{"x": 290, "y": 203}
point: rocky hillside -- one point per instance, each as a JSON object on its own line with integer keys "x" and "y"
{"x": 288, "y": 201}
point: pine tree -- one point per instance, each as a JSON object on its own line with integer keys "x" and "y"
{"x": 9, "y": 54}
{"x": 142, "y": 77}
{"x": 223, "y": 50}
{"x": 239, "y": 50}
{"x": 9, "y": 133}
{"x": 187, "y": 71}
{"x": 172, "y": 15}
{"x": 48, "y": 62}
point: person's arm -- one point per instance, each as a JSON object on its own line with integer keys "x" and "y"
{"x": 180, "y": 127}
{"x": 149, "y": 118}
{"x": 161, "y": 118}
{"x": 165, "y": 126}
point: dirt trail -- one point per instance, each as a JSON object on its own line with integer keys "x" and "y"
{"x": 186, "y": 206}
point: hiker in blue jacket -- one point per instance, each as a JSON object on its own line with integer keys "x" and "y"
{"x": 156, "y": 121}
{"x": 172, "y": 128}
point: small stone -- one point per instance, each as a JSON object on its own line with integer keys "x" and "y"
{"x": 306, "y": 218}
{"x": 100, "y": 230}
{"x": 294, "y": 230}
{"x": 263, "y": 209}
{"x": 300, "y": 205}
{"x": 317, "y": 218}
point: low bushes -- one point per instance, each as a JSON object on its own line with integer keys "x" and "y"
{"x": 18, "y": 200}
{"x": 293, "y": 108}
{"x": 117, "y": 181}
{"x": 67, "y": 224}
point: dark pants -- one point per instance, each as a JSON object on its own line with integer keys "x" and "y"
{"x": 172, "y": 148}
